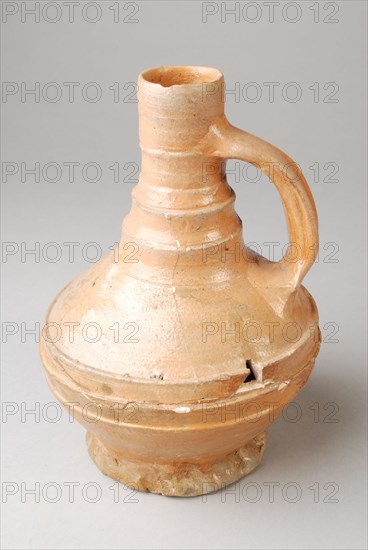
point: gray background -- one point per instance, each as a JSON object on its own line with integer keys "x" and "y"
{"x": 327, "y": 442}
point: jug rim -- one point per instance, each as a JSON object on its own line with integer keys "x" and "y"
{"x": 183, "y": 76}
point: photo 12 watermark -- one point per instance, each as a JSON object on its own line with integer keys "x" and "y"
{"x": 71, "y": 492}
{"x": 244, "y": 12}
{"x": 65, "y": 11}
{"x": 272, "y": 492}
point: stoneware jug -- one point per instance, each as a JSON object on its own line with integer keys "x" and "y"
{"x": 179, "y": 349}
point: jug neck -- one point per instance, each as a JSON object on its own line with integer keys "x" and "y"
{"x": 182, "y": 199}
{"x": 177, "y": 106}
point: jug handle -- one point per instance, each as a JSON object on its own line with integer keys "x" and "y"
{"x": 301, "y": 215}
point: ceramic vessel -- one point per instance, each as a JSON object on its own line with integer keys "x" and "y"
{"x": 185, "y": 345}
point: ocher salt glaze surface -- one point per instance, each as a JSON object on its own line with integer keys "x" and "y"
{"x": 200, "y": 342}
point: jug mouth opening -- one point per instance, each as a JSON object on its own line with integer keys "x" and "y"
{"x": 181, "y": 76}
